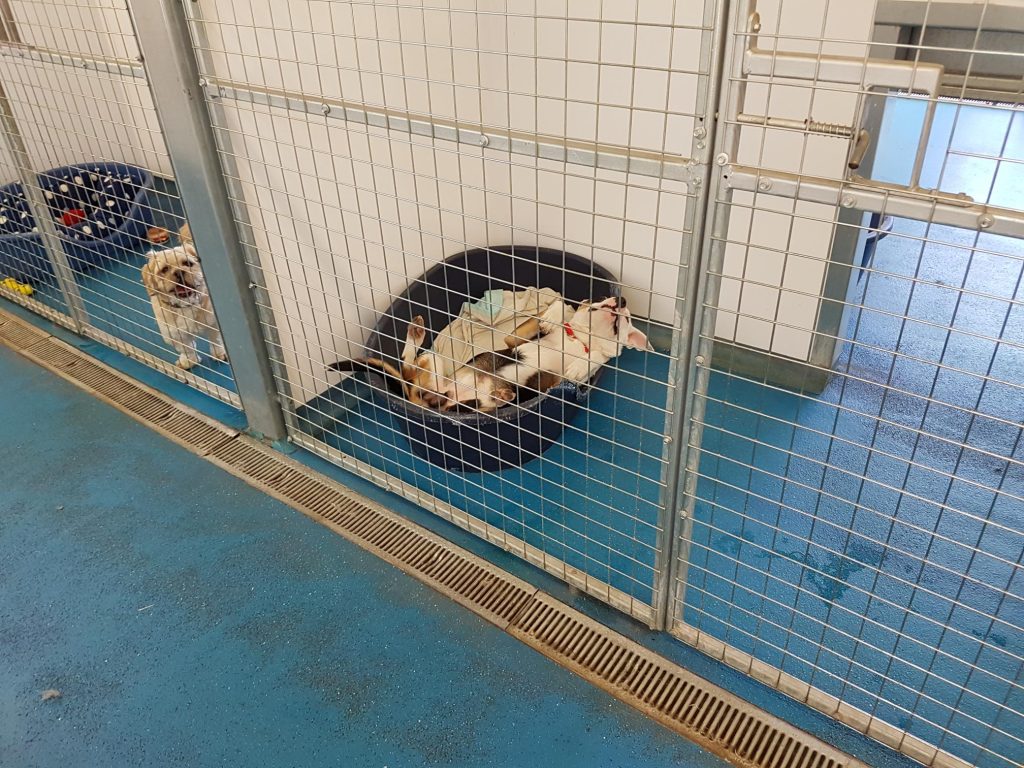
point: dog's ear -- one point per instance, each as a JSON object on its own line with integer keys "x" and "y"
{"x": 185, "y": 234}
{"x": 190, "y": 249}
{"x": 149, "y": 274}
{"x": 638, "y": 340}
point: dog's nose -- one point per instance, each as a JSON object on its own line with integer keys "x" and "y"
{"x": 620, "y": 303}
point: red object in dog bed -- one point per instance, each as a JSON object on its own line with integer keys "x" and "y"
{"x": 71, "y": 217}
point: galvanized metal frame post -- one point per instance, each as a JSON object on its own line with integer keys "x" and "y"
{"x": 708, "y": 251}
{"x": 848, "y": 238}
{"x": 40, "y": 212}
{"x": 685, "y": 343}
{"x": 232, "y": 177}
{"x": 161, "y": 27}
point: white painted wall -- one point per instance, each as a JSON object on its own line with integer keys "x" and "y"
{"x": 777, "y": 250}
{"x": 88, "y": 27}
{"x": 345, "y": 216}
{"x": 343, "y": 220}
{"x": 68, "y": 114}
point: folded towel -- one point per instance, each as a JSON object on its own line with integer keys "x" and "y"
{"x": 482, "y": 325}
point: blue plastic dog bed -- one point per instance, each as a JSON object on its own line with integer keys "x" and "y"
{"x": 99, "y": 209}
{"x": 516, "y": 433}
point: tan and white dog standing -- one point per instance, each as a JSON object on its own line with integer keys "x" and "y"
{"x": 181, "y": 304}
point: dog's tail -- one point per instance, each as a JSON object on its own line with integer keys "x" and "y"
{"x": 392, "y": 378}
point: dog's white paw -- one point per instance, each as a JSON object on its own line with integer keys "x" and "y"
{"x": 185, "y": 362}
{"x": 219, "y": 353}
{"x": 504, "y": 394}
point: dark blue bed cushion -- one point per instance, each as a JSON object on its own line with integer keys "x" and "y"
{"x": 113, "y": 199}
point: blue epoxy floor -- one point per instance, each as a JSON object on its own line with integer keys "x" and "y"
{"x": 847, "y": 537}
{"x": 789, "y": 543}
{"x": 188, "y": 619}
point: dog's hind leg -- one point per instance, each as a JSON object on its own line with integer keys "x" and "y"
{"x": 419, "y": 370}
{"x": 540, "y": 382}
{"x": 217, "y": 349}
{"x": 524, "y": 332}
{"x": 414, "y": 338}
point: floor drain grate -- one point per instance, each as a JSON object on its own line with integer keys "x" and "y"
{"x": 684, "y": 702}
{"x": 464, "y": 578}
{"x": 193, "y": 431}
{"x": 153, "y": 409}
{"x": 18, "y": 334}
{"x": 704, "y": 713}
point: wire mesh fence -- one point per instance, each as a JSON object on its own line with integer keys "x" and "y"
{"x": 22, "y": 246}
{"x": 769, "y": 252}
{"x": 369, "y": 143}
{"x": 853, "y": 515}
{"x": 81, "y": 107}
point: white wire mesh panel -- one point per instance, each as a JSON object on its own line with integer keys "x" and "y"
{"x": 22, "y": 249}
{"x": 854, "y": 517}
{"x": 83, "y": 108}
{"x": 367, "y": 142}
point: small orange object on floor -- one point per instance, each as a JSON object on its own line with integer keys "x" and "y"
{"x": 158, "y": 235}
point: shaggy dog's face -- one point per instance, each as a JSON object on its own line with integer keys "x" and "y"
{"x": 175, "y": 277}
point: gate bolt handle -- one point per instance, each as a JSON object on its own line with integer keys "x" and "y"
{"x": 860, "y": 148}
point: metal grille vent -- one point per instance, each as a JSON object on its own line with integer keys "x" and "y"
{"x": 679, "y": 700}
{"x": 704, "y": 713}
{"x": 462, "y": 577}
{"x": 174, "y": 421}
{"x": 70, "y": 363}
{"x": 18, "y": 334}
{"x": 193, "y": 431}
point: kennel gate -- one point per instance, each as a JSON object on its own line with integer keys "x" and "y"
{"x": 778, "y": 487}
{"x": 90, "y": 175}
{"x": 852, "y": 530}
{"x": 400, "y": 136}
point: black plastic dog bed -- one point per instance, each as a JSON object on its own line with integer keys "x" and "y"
{"x": 516, "y": 433}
